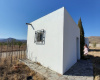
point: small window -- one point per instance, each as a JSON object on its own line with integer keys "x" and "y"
{"x": 39, "y": 36}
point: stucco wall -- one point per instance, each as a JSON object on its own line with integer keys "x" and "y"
{"x": 50, "y": 54}
{"x": 97, "y": 45}
{"x": 71, "y": 33}
{"x": 91, "y": 45}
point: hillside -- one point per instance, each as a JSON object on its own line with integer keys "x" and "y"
{"x": 94, "y": 39}
{"x": 5, "y": 40}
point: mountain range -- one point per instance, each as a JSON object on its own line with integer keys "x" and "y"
{"x": 5, "y": 40}
{"x": 94, "y": 39}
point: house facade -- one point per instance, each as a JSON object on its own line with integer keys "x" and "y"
{"x": 54, "y": 41}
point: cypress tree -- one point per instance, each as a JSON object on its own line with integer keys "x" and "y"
{"x": 81, "y": 37}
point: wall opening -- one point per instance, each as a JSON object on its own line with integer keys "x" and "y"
{"x": 77, "y": 48}
{"x": 39, "y": 37}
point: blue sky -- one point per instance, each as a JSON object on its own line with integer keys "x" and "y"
{"x": 15, "y": 13}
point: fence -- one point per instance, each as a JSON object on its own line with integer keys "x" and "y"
{"x": 13, "y": 56}
{"x": 10, "y": 66}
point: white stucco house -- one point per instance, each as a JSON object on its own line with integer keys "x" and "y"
{"x": 54, "y": 41}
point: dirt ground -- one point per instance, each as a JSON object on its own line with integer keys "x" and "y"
{"x": 11, "y": 68}
{"x": 16, "y": 71}
{"x": 94, "y": 54}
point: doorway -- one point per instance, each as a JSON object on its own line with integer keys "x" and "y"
{"x": 77, "y": 48}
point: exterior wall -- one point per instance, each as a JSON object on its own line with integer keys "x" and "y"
{"x": 92, "y": 45}
{"x": 51, "y": 53}
{"x": 71, "y": 50}
{"x": 60, "y": 50}
{"x": 87, "y": 41}
{"x": 97, "y": 45}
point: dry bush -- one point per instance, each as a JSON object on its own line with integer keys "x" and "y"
{"x": 15, "y": 70}
{"x": 38, "y": 63}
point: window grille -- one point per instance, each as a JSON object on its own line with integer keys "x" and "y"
{"x": 40, "y": 36}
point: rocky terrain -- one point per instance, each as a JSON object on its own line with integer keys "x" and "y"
{"x": 94, "y": 39}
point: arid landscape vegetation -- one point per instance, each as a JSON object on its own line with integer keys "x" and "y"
{"x": 10, "y": 67}
{"x": 11, "y": 44}
{"x": 16, "y": 71}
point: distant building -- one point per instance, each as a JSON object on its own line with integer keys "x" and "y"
{"x": 54, "y": 41}
{"x": 87, "y": 41}
{"x": 94, "y": 45}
